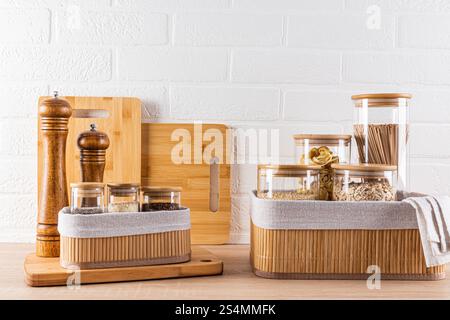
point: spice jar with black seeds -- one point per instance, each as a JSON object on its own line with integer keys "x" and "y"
{"x": 365, "y": 182}
{"x": 87, "y": 198}
{"x": 123, "y": 197}
{"x": 161, "y": 198}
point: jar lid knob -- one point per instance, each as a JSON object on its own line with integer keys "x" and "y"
{"x": 93, "y": 127}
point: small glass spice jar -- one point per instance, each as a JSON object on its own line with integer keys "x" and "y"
{"x": 161, "y": 198}
{"x": 87, "y": 198}
{"x": 123, "y": 197}
{"x": 365, "y": 182}
{"x": 288, "y": 182}
{"x": 323, "y": 150}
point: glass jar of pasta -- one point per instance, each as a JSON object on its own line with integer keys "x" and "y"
{"x": 323, "y": 150}
{"x": 381, "y": 130}
{"x": 288, "y": 182}
{"x": 364, "y": 182}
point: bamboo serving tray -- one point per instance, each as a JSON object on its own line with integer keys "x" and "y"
{"x": 44, "y": 272}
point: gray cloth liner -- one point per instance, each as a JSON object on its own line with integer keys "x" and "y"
{"x": 330, "y": 215}
{"x": 121, "y": 224}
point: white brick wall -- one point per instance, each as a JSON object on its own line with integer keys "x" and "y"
{"x": 287, "y": 64}
{"x": 203, "y": 29}
{"x": 173, "y": 64}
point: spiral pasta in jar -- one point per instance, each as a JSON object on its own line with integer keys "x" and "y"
{"x": 323, "y": 150}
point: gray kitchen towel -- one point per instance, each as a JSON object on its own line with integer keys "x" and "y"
{"x": 433, "y": 218}
{"x": 121, "y": 224}
{"x": 329, "y": 215}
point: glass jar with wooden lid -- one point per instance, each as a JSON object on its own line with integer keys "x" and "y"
{"x": 381, "y": 129}
{"x": 364, "y": 182}
{"x": 161, "y": 198}
{"x": 87, "y": 198}
{"x": 323, "y": 150}
{"x": 123, "y": 197}
{"x": 288, "y": 182}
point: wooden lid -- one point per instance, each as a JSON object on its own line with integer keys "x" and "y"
{"x": 381, "y": 96}
{"x": 380, "y": 99}
{"x": 292, "y": 167}
{"x": 324, "y": 139}
{"x": 55, "y": 108}
{"x": 161, "y": 189}
{"x": 366, "y": 167}
{"x": 87, "y": 185}
{"x": 93, "y": 139}
{"x": 123, "y": 185}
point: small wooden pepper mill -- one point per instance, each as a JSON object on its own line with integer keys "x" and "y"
{"x": 54, "y": 117}
{"x": 92, "y": 145}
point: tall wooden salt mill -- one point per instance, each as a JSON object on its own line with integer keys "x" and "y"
{"x": 54, "y": 116}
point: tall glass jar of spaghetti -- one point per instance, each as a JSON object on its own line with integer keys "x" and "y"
{"x": 381, "y": 131}
{"x": 323, "y": 150}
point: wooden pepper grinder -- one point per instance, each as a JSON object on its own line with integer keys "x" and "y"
{"x": 92, "y": 145}
{"x": 54, "y": 117}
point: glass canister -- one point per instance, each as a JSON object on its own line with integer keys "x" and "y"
{"x": 323, "y": 150}
{"x": 288, "y": 182}
{"x": 381, "y": 130}
{"x": 87, "y": 198}
{"x": 364, "y": 182}
{"x": 123, "y": 197}
{"x": 161, "y": 198}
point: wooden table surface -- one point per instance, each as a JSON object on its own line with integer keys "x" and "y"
{"x": 237, "y": 282}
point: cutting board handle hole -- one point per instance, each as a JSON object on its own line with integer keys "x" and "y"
{"x": 90, "y": 113}
{"x": 206, "y": 260}
{"x": 214, "y": 178}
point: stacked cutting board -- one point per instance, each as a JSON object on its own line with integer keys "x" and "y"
{"x": 142, "y": 152}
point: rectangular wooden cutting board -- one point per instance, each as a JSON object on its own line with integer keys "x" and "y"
{"x": 210, "y": 219}
{"x": 44, "y": 272}
{"x": 120, "y": 119}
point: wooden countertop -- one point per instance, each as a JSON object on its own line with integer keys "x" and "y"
{"x": 237, "y": 282}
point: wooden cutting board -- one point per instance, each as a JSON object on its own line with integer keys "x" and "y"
{"x": 210, "y": 219}
{"x": 44, "y": 272}
{"x": 120, "y": 119}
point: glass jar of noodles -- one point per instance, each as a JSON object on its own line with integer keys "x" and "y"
{"x": 381, "y": 129}
{"x": 364, "y": 182}
{"x": 323, "y": 150}
{"x": 288, "y": 182}
{"x": 123, "y": 197}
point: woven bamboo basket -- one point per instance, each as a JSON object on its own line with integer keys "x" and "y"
{"x": 339, "y": 253}
{"x": 139, "y": 246}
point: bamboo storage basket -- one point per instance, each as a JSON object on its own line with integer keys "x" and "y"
{"x": 321, "y": 252}
{"x": 134, "y": 239}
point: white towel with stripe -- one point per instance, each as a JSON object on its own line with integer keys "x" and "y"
{"x": 433, "y": 220}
